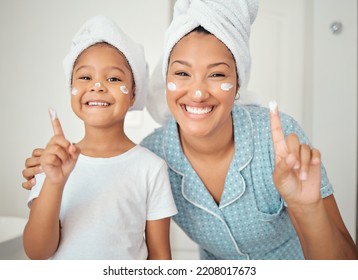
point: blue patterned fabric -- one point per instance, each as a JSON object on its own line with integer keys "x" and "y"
{"x": 251, "y": 221}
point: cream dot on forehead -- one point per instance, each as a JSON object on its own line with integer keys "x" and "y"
{"x": 226, "y": 86}
{"x": 171, "y": 86}
{"x": 123, "y": 89}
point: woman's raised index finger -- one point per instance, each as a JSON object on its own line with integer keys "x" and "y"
{"x": 56, "y": 125}
{"x": 278, "y": 137}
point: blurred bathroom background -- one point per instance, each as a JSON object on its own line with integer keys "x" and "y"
{"x": 304, "y": 56}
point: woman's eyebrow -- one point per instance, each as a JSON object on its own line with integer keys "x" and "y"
{"x": 218, "y": 64}
{"x": 183, "y": 62}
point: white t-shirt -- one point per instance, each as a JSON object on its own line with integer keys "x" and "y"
{"x": 106, "y": 203}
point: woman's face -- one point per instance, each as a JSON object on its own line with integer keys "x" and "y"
{"x": 201, "y": 84}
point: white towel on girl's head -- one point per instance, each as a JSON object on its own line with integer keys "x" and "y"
{"x": 102, "y": 29}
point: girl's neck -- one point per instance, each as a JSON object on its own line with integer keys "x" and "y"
{"x": 105, "y": 142}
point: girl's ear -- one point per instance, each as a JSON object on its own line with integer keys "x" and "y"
{"x": 133, "y": 96}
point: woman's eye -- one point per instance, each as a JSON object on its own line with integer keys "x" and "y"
{"x": 113, "y": 79}
{"x": 182, "y": 74}
{"x": 217, "y": 75}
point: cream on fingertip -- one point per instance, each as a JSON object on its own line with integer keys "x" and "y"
{"x": 273, "y": 106}
{"x": 53, "y": 113}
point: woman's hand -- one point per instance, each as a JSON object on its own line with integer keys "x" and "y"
{"x": 32, "y": 167}
{"x": 297, "y": 173}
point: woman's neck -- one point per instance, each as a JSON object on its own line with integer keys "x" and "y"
{"x": 217, "y": 145}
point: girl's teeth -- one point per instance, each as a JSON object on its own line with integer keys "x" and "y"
{"x": 198, "y": 111}
{"x": 96, "y": 103}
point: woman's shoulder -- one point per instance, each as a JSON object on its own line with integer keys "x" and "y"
{"x": 260, "y": 116}
{"x": 154, "y": 141}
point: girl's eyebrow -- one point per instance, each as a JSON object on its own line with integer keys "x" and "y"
{"x": 109, "y": 67}
{"x": 118, "y": 68}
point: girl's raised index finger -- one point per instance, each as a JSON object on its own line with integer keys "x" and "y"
{"x": 278, "y": 137}
{"x": 56, "y": 125}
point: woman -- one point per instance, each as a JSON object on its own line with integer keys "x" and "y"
{"x": 245, "y": 181}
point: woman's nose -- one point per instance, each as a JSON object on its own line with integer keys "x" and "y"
{"x": 199, "y": 94}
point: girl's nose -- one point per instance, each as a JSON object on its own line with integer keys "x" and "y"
{"x": 97, "y": 87}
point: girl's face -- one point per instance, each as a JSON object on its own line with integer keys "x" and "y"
{"x": 201, "y": 84}
{"x": 102, "y": 86}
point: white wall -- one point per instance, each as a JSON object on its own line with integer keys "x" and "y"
{"x": 334, "y": 99}
{"x": 35, "y": 36}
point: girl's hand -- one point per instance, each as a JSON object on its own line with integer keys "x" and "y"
{"x": 297, "y": 173}
{"x": 60, "y": 156}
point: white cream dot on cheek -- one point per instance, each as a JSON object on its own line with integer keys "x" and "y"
{"x": 74, "y": 91}
{"x": 226, "y": 86}
{"x": 171, "y": 86}
{"x": 123, "y": 89}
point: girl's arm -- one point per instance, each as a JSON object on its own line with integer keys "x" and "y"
{"x": 157, "y": 239}
{"x": 42, "y": 231}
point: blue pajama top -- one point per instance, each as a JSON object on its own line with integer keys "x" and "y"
{"x": 251, "y": 221}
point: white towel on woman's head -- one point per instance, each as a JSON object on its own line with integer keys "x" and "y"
{"x": 102, "y": 29}
{"x": 229, "y": 20}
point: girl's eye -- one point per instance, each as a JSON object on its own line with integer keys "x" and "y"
{"x": 113, "y": 79}
{"x": 86, "y": 78}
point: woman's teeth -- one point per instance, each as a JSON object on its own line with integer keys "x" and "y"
{"x": 198, "y": 111}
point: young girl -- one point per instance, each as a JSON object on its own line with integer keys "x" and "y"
{"x": 104, "y": 197}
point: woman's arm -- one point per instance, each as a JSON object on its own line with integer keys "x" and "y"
{"x": 297, "y": 176}
{"x": 322, "y": 232}
{"x": 158, "y": 240}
